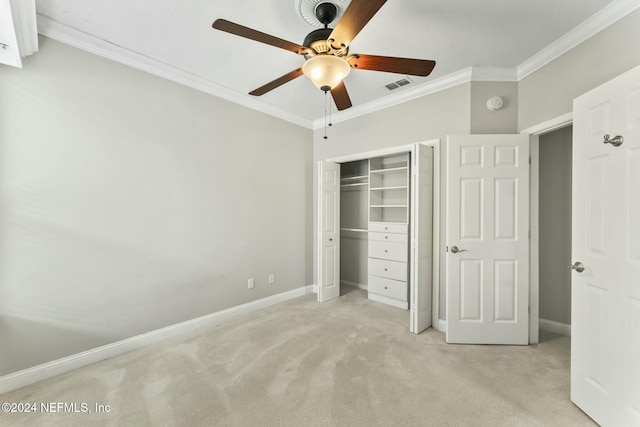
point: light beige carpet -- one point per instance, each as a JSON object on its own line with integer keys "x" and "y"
{"x": 349, "y": 362}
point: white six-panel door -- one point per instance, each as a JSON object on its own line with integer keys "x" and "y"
{"x": 329, "y": 231}
{"x": 605, "y": 324}
{"x": 487, "y": 239}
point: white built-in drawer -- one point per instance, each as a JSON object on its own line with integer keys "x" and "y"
{"x": 388, "y": 250}
{"x": 389, "y": 227}
{"x": 388, "y": 288}
{"x": 389, "y": 269}
{"x": 388, "y": 237}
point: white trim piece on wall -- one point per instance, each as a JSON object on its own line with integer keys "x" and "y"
{"x": 550, "y": 125}
{"x": 555, "y": 327}
{"x": 442, "y": 325}
{"x": 602, "y": 19}
{"x": 45, "y": 371}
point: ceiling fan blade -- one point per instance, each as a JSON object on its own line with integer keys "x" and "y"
{"x": 358, "y": 13}
{"x": 248, "y": 33}
{"x": 413, "y": 67}
{"x": 341, "y": 96}
{"x": 276, "y": 83}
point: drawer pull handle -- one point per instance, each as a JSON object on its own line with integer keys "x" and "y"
{"x": 385, "y": 269}
{"x": 386, "y": 237}
{"x": 386, "y": 287}
{"x": 385, "y": 251}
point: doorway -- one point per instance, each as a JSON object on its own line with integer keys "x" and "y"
{"x": 396, "y": 225}
{"x": 554, "y": 212}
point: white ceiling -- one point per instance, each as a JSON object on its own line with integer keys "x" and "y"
{"x": 175, "y": 39}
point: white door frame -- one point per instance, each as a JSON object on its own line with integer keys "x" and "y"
{"x": 534, "y": 218}
{"x": 435, "y": 143}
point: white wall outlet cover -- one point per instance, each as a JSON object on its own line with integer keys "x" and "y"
{"x": 494, "y": 103}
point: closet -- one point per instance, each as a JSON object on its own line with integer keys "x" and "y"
{"x": 374, "y": 227}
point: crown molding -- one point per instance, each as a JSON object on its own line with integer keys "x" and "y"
{"x": 86, "y": 42}
{"x": 590, "y": 27}
{"x": 494, "y": 74}
{"x": 446, "y": 82}
{"x": 602, "y": 19}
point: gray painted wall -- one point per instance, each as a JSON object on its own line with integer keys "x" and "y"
{"x": 549, "y": 92}
{"x": 485, "y": 121}
{"x": 555, "y": 225}
{"x": 423, "y": 119}
{"x": 129, "y": 203}
{"x": 541, "y": 96}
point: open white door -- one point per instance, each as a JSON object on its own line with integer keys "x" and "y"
{"x": 605, "y": 300}
{"x": 421, "y": 291}
{"x": 488, "y": 239}
{"x": 328, "y": 231}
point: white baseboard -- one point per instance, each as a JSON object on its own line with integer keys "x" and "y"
{"x": 45, "y": 371}
{"x": 442, "y": 325}
{"x": 354, "y": 284}
{"x": 555, "y": 327}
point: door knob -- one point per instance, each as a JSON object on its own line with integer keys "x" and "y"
{"x": 455, "y": 250}
{"x": 577, "y": 266}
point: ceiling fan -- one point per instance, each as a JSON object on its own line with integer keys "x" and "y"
{"x": 326, "y": 50}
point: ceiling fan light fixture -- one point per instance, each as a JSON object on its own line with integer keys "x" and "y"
{"x": 326, "y": 71}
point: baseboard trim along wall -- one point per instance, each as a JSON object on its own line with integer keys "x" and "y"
{"x": 555, "y": 327}
{"x": 354, "y": 285}
{"x": 45, "y": 371}
{"x": 442, "y": 325}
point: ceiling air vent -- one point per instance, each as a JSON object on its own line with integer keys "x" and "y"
{"x": 402, "y": 82}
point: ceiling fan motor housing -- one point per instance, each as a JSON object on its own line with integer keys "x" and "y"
{"x": 326, "y": 13}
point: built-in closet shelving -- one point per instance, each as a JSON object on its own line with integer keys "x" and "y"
{"x": 374, "y": 221}
{"x": 388, "y": 242}
{"x": 389, "y": 189}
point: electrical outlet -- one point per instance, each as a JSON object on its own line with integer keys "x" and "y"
{"x": 272, "y": 278}
{"x": 251, "y": 283}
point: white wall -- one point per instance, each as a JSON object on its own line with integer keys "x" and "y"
{"x": 555, "y": 225}
{"x": 129, "y": 203}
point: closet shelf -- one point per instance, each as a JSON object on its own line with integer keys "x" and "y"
{"x": 357, "y": 184}
{"x": 394, "y": 169}
{"x": 357, "y": 230}
{"x": 400, "y": 187}
{"x": 388, "y": 206}
{"x": 353, "y": 178}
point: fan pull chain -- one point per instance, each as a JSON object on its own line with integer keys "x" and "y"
{"x": 325, "y": 115}
{"x": 327, "y": 101}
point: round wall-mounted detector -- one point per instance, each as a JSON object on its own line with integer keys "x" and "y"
{"x": 494, "y": 103}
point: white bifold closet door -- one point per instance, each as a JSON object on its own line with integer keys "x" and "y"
{"x": 328, "y": 231}
{"x": 421, "y": 284}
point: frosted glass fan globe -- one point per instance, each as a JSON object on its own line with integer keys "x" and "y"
{"x": 326, "y": 71}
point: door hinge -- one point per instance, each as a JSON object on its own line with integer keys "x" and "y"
{"x": 529, "y": 159}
